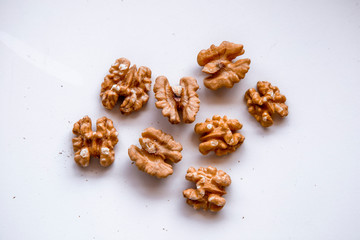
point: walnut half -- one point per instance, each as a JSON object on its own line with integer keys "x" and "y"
{"x": 98, "y": 144}
{"x": 157, "y": 147}
{"x": 182, "y": 98}
{"x": 217, "y": 61}
{"x": 210, "y": 187}
{"x": 218, "y": 135}
{"x": 129, "y": 82}
{"x": 265, "y": 103}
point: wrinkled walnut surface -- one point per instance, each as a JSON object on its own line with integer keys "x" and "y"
{"x": 210, "y": 187}
{"x": 182, "y": 98}
{"x": 217, "y": 61}
{"x": 218, "y": 135}
{"x": 265, "y": 103}
{"x": 157, "y": 147}
{"x": 99, "y": 144}
{"x": 129, "y": 82}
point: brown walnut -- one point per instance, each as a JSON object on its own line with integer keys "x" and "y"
{"x": 99, "y": 144}
{"x": 210, "y": 187}
{"x": 218, "y": 135}
{"x": 128, "y": 82}
{"x": 182, "y": 98}
{"x": 265, "y": 103}
{"x": 217, "y": 61}
{"x": 157, "y": 147}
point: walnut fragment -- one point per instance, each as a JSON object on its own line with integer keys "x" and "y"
{"x": 129, "y": 82}
{"x": 265, "y": 103}
{"x": 182, "y": 98}
{"x": 210, "y": 187}
{"x": 99, "y": 144}
{"x": 218, "y": 135}
{"x": 157, "y": 148}
{"x": 217, "y": 61}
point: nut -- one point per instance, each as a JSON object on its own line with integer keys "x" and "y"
{"x": 174, "y": 99}
{"x": 210, "y": 187}
{"x": 99, "y": 144}
{"x": 157, "y": 147}
{"x": 263, "y": 104}
{"x": 217, "y": 61}
{"x": 218, "y": 135}
{"x": 130, "y": 83}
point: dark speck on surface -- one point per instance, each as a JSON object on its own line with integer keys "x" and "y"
{"x": 61, "y": 85}
{"x": 14, "y": 197}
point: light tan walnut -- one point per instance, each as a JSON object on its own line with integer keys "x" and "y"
{"x": 157, "y": 148}
{"x": 99, "y": 144}
{"x": 217, "y": 61}
{"x": 265, "y": 103}
{"x": 182, "y": 98}
{"x": 130, "y": 83}
{"x": 210, "y": 187}
{"x": 218, "y": 135}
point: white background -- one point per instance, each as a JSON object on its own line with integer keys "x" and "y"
{"x": 299, "y": 179}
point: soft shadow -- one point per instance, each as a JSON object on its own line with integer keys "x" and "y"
{"x": 94, "y": 170}
{"x": 222, "y": 96}
{"x": 143, "y": 183}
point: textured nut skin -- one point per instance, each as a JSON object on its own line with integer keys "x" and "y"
{"x": 157, "y": 147}
{"x": 129, "y": 82}
{"x": 210, "y": 187}
{"x": 180, "y": 98}
{"x": 218, "y": 135}
{"x": 99, "y": 144}
{"x": 217, "y": 61}
{"x": 265, "y": 103}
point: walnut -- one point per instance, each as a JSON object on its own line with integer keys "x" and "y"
{"x": 217, "y": 61}
{"x": 157, "y": 147}
{"x": 263, "y": 104}
{"x": 130, "y": 83}
{"x": 210, "y": 187}
{"x": 182, "y": 98}
{"x": 98, "y": 144}
{"x": 218, "y": 135}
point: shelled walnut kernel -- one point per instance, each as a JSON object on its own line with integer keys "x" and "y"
{"x": 217, "y": 61}
{"x": 265, "y": 103}
{"x": 99, "y": 144}
{"x": 128, "y": 82}
{"x": 218, "y": 135}
{"x": 157, "y": 147}
{"x": 182, "y": 98}
{"x": 210, "y": 187}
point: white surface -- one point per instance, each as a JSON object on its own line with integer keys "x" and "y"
{"x": 296, "y": 180}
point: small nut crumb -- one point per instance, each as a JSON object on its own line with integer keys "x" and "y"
{"x": 131, "y": 83}
{"x": 182, "y": 98}
{"x": 218, "y": 61}
{"x": 157, "y": 147}
{"x": 220, "y": 137}
{"x": 265, "y": 103}
{"x": 98, "y": 144}
{"x": 210, "y": 187}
